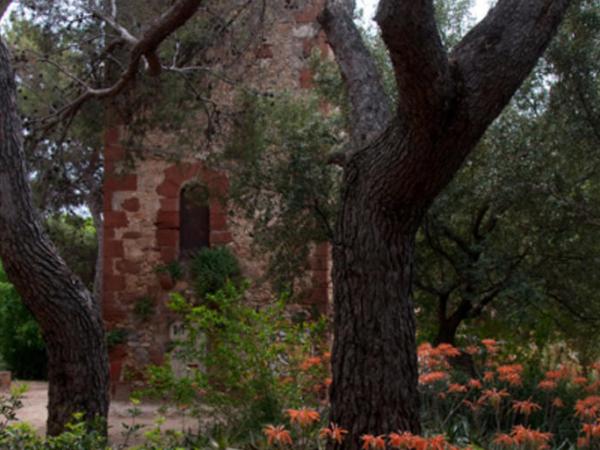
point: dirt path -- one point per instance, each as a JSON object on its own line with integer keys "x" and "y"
{"x": 35, "y": 412}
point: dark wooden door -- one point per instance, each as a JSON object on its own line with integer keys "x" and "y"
{"x": 194, "y": 229}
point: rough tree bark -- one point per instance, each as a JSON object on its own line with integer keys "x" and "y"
{"x": 71, "y": 324}
{"x": 446, "y": 102}
{"x": 68, "y": 316}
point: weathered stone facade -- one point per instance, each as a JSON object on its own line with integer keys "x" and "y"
{"x": 142, "y": 210}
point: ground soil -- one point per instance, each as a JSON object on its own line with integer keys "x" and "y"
{"x": 35, "y": 412}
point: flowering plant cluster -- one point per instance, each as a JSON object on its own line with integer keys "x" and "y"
{"x": 477, "y": 397}
{"x": 488, "y": 397}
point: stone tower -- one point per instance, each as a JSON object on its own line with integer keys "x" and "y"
{"x": 144, "y": 220}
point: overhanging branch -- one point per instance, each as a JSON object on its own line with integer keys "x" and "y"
{"x": 146, "y": 46}
{"x": 496, "y": 56}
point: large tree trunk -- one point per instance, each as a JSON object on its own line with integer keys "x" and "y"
{"x": 375, "y": 372}
{"x": 446, "y": 332}
{"x": 71, "y": 324}
{"x": 397, "y": 165}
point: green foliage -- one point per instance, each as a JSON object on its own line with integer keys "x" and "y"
{"x": 9, "y": 404}
{"x": 174, "y": 269}
{"x": 516, "y": 222}
{"x": 282, "y": 181}
{"x": 144, "y": 308}
{"x": 15, "y": 435}
{"x": 115, "y": 337}
{"x": 21, "y": 343}
{"x": 75, "y": 238}
{"x": 63, "y": 159}
{"x": 242, "y": 362}
{"x": 77, "y": 436}
{"x": 454, "y": 19}
{"x": 210, "y": 269}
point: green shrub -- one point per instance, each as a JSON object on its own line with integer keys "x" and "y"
{"x": 210, "y": 269}
{"x": 173, "y": 269}
{"x": 21, "y": 343}
{"x": 244, "y": 363}
{"x": 115, "y": 337}
{"x": 144, "y": 308}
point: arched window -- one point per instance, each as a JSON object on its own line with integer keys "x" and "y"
{"x": 194, "y": 228}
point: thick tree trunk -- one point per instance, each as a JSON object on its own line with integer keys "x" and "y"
{"x": 71, "y": 325}
{"x": 375, "y": 370}
{"x": 446, "y": 332}
{"x": 445, "y": 104}
{"x": 448, "y": 325}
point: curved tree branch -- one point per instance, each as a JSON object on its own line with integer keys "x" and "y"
{"x": 371, "y": 108}
{"x": 512, "y": 36}
{"x": 146, "y": 46}
{"x": 410, "y": 33}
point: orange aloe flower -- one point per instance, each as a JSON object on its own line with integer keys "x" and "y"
{"x": 277, "y": 435}
{"x": 488, "y": 376}
{"x": 591, "y": 430}
{"x": 510, "y": 373}
{"x": 531, "y": 438}
{"x": 398, "y": 440}
{"x": 583, "y": 442}
{"x": 456, "y": 388}
{"x": 334, "y": 433}
{"x": 558, "y": 403}
{"x": 407, "y": 440}
{"x": 562, "y": 373}
{"x": 525, "y": 407}
{"x": 432, "y": 377}
{"x": 475, "y": 383}
{"x": 437, "y": 443}
{"x": 504, "y": 440}
{"x": 588, "y": 408}
{"x": 371, "y": 442}
{"x": 448, "y": 350}
{"x": 491, "y": 345}
{"x": 424, "y": 350}
{"x": 494, "y": 396}
{"x": 547, "y": 385}
{"x": 308, "y": 363}
{"x": 303, "y": 416}
{"x": 472, "y": 350}
{"x": 580, "y": 381}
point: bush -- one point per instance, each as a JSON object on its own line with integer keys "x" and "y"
{"x": 244, "y": 363}
{"x": 210, "y": 269}
{"x": 21, "y": 343}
